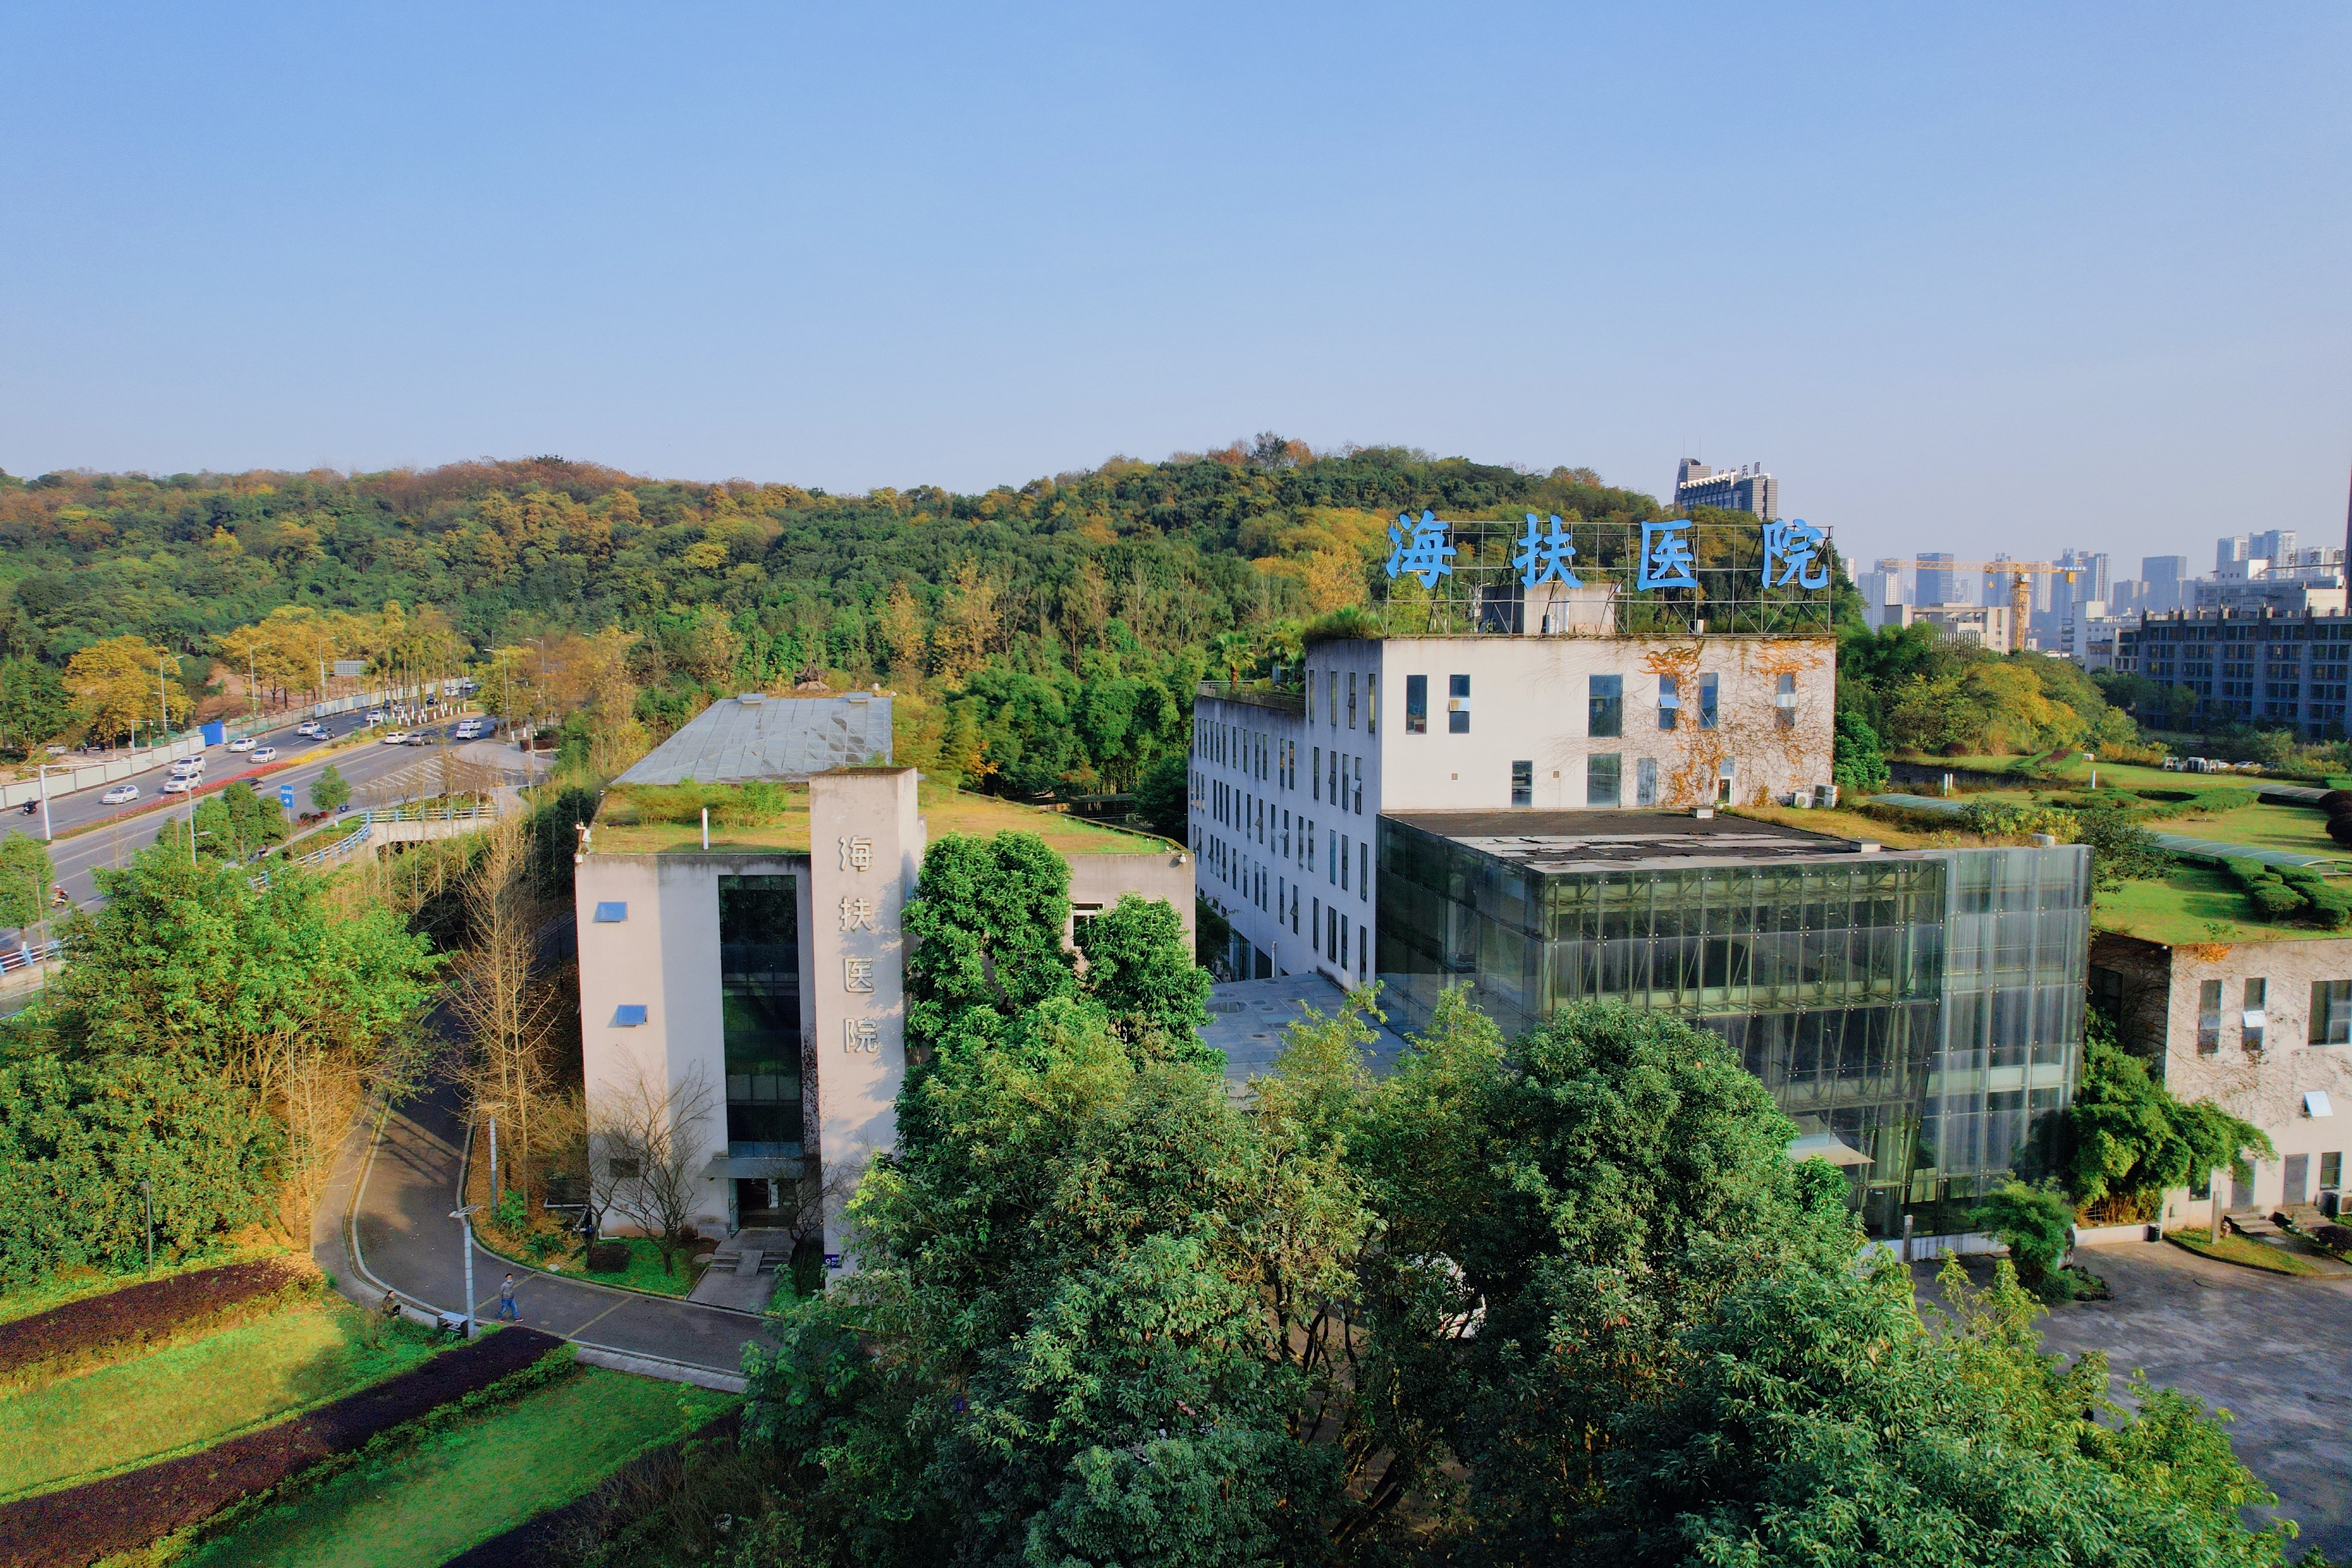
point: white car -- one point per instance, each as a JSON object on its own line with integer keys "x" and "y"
{"x": 376, "y": 717}
{"x": 119, "y": 794}
{"x": 264, "y": 753}
{"x": 313, "y": 729}
{"x": 397, "y": 738}
{"x": 242, "y": 743}
{"x": 180, "y": 784}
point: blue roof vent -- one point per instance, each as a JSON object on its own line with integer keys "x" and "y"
{"x": 631, "y": 1016}
{"x": 607, "y": 912}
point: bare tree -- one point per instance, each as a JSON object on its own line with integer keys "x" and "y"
{"x": 646, "y": 1144}
{"x": 508, "y": 1011}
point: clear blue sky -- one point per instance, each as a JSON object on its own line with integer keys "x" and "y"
{"x": 1974, "y": 277}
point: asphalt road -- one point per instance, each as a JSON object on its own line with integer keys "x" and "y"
{"x": 397, "y": 770}
{"x": 391, "y": 1197}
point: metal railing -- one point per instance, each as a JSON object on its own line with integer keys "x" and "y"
{"x": 427, "y": 811}
{"x": 25, "y": 955}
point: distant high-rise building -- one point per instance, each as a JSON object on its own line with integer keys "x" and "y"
{"x": 2164, "y": 575}
{"x": 2274, "y": 546}
{"x": 1940, "y": 585}
{"x": 1747, "y": 489}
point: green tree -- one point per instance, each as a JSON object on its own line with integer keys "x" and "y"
{"x": 2128, "y": 1138}
{"x": 2121, "y": 849}
{"x": 1162, "y": 796}
{"x": 1860, "y": 767}
{"x": 1055, "y": 1347}
{"x": 34, "y": 703}
{"x": 2035, "y": 1223}
{"x": 1139, "y": 967}
{"x": 330, "y": 791}
{"x": 26, "y": 875}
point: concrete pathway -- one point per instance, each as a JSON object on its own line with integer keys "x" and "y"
{"x": 383, "y": 1222}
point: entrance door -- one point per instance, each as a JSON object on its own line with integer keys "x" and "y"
{"x": 755, "y": 1203}
{"x": 2242, "y": 1187}
{"x": 2298, "y": 1180}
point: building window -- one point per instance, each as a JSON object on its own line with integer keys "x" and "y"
{"x": 1670, "y": 703}
{"x": 1646, "y": 782}
{"x": 1372, "y": 705}
{"x": 1523, "y": 783}
{"x": 1351, "y": 700}
{"x": 1605, "y": 705}
{"x": 2253, "y": 1021}
{"x": 1315, "y": 773}
{"x": 1360, "y": 787}
{"x": 1457, "y": 704}
{"x": 2331, "y": 1012}
{"x": 2209, "y": 1017}
{"x": 1600, "y": 774}
{"x": 1364, "y": 870}
{"x": 1784, "y": 702}
{"x": 1332, "y": 697}
{"x": 1707, "y": 687}
{"x": 2331, "y": 1172}
{"x": 1343, "y": 860}
{"x": 1416, "y": 705}
{"x": 1310, "y": 696}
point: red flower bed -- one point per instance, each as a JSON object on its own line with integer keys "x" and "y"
{"x": 76, "y": 1527}
{"x": 140, "y": 1311}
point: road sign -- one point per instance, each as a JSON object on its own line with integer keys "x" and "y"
{"x": 346, "y": 668}
{"x": 286, "y": 797}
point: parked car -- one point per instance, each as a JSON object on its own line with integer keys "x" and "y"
{"x": 242, "y": 743}
{"x": 264, "y": 753}
{"x": 119, "y": 794}
{"x": 396, "y": 738}
{"x": 180, "y": 784}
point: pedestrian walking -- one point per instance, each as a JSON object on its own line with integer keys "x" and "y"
{"x": 507, "y": 1313}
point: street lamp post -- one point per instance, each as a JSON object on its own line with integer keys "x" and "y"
{"x": 48, "y": 833}
{"x": 147, "y": 1192}
{"x": 466, "y": 1244}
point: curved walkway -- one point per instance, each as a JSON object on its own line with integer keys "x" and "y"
{"x": 384, "y": 1223}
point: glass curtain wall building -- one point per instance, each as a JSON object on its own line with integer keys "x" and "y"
{"x": 759, "y": 990}
{"x": 1924, "y": 1008}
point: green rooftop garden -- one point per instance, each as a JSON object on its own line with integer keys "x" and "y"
{"x": 666, "y": 819}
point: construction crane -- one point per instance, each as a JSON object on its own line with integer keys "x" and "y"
{"x": 2016, "y": 570}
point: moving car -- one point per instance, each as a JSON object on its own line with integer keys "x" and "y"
{"x": 119, "y": 794}
{"x": 242, "y": 743}
{"x": 179, "y": 783}
{"x": 396, "y": 738}
{"x": 311, "y": 729}
{"x": 264, "y": 753}
{"x": 376, "y": 717}
{"x": 420, "y": 739}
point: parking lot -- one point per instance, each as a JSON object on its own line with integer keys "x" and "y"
{"x": 2267, "y": 1348}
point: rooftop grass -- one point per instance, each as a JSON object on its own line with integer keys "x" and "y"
{"x": 2192, "y": 903}
{"x": 2297, "y": 829}
{"x": 421, "y": 1505}
{"x": 192, "y": 1395}
{"x": 666, "y": 820}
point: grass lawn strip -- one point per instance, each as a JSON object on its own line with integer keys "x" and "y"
{"x": 423, "y": 1504}
{"x": 643, "y": 1274}
{"x": 78, "y": 1525}
{"x": 193, "y": 1394}
{"x": 545, "y": 1536}
{"x": 80, "y": 1284}
{"x": 136, "y": 1315}
{"x": 2242, "y": 1250}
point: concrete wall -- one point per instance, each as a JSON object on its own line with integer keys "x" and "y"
{"x": 2266, "y": 1087}
{"x": 867, "y": 848}
{"x": 1096, "y": 882}
{"x": 665, "y": 958}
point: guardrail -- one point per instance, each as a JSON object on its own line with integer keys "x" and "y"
{"x": 24, "y": 955}
{"x": 424, "y": 811}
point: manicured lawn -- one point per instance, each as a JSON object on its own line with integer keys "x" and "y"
{"x": 136, "y": 1412}
{"x": 421, "y": 1505}
{"x": 944, "y": 810}
{"x": 2242, "y": 1249}
{"x": 2189, "y": 904}
{"x": 644, "y": 1272}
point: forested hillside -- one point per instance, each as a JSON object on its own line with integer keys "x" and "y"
{"x": 1050, "y": 634}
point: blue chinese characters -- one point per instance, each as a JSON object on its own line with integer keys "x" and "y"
{"x": 1420, "y": 548}
{"x": 1540, "y": 559}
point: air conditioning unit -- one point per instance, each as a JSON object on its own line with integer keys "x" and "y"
{"x": 2331, "y": 1203}
{"x": 1825, "y": 797}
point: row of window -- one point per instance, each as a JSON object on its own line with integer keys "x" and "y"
{"x": 2330, "y": 1024}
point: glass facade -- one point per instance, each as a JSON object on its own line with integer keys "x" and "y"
{"x": 759, "y": 988}
{"x": 1926, "y": 1007}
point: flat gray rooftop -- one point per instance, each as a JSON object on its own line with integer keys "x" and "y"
{"x": 1621, "y": 840}
{"x": 793, "y": 737}
{"x": 1247, "y": 1017}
